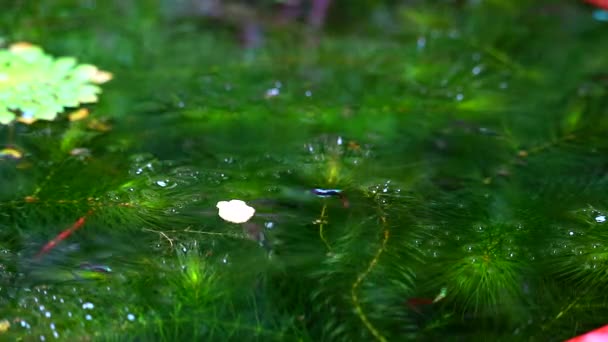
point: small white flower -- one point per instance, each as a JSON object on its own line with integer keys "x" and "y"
{"x": 235, "y": 211}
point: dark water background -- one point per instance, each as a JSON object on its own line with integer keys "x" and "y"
{"x": 468, "y": 139}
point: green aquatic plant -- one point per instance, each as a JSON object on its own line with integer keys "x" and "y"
{"x": 36, "y": 86}
{"x": 422, "y": 186}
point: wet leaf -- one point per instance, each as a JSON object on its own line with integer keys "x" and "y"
{"x": 36, "y": 86}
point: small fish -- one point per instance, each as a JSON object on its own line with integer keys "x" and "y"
{"x": 95, "y": 268}
{"x": 326, "y": 192}
{"x": 416, "y": 303}
{"x": 332, "y": 193}
{"x": 63, "y": 235}
{"x": 598, "y": 3}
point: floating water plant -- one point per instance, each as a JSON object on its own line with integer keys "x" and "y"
{"x": 35, "y": 86}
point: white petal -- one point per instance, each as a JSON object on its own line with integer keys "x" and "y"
{"x": 235, "y": 211}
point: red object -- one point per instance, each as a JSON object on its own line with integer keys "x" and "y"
{"x": 416, "y": 303}
{"x": 598, "y": 3}
{"x": 597, "y": 335}
{"x": 63, "y": 235}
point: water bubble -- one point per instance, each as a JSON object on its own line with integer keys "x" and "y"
{"x": 421, "y": 43}
{"x": 161, "y": 183}
{"x": 52, "y": 326}
{"x": 88, "y": 305}
{"x": 88, "y": 317}
{"x": 55, "y": 334}
{"x": 131, "y": 317}
{"x": 600, "y": 219}
{"x": 454, "y": 34}
{"x": 272, "y": 92}
{"x": 571, "y": 233}
{"x": 42, "y": 338}
{"x": 47, "y": 314}
{"x": 308, "y": 93}
{"x": 459, "y": 97}
{"x": 477, "y": 70}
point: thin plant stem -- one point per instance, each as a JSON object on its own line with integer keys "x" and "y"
{"x": 355, "y": 287}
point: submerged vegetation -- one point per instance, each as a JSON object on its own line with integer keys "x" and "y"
{"x": 437, "y": 172}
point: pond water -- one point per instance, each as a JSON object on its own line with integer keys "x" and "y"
{"x": 427, "y": 171}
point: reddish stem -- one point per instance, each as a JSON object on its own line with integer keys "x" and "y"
{"x": 63, "y": 235}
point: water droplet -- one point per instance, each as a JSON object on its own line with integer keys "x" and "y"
{"x": 272, "y": 92}
{"x": 161, "y": 183}
{"x": 88, "y": 317}
{"x": 88, "y": 305}
{"x": 55, "y": 334}
{"x": 421, "y": 43}
{"x": 131, "y": 317}
{"x": 477, "y": 70}
{"x": 47, "y": 314}
{"x": 52, "y": 326}
{"x": 600, "y": 219}
{"x": 571, "y": 233}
